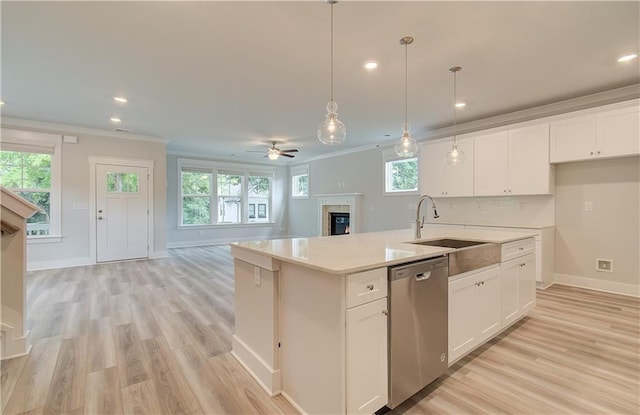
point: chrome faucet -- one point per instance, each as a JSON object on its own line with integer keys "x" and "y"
{"x": 420, "y": 223}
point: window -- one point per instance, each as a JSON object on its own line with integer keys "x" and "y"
{"x": 300, "y": 182}
{"x": 222, "y": 193}
{"x": 401, "y": 176}
{"x": 260, "y": 194}
{"x": 30, "y": 167}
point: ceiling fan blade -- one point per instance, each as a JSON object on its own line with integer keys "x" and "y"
{"x": 286, "y": 155}
{"x": 293, "y": 150}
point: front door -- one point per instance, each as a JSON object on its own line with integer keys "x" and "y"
{"x": 121, "y": 213}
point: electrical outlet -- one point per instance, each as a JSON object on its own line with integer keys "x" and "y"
{"x": 605, "y": 265}
{"x": 256, "y": 276}
{"x": 588, "y": 206}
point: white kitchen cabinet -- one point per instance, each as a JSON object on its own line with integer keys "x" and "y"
{"x": 513, "y": 162}
{"x": 366, "y": 351}
{"x": 474, "y": 311}
{"x": 605, "y": 134}
{"x": 440, "y": 179}
{"x": 517, "y": 282}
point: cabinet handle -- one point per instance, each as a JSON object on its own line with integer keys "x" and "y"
{"x": 521, "y": 248}
{"x": 591, "y": 153}
{"x": 598, "y": 152}
{"x": 385, "y": 312}
{"x": 370, "y": 287}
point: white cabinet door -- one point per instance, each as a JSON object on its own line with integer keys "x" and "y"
{"x": 490, "y": 164}
{"x": 463, "y": 329}
{"x": 366, "y": 361}
{"x": 488, "y": 304}
{"x": 618, "y": 132}
{"x": 432, "y": 169}
{"x": 474, "y": 311}
{"x": 526, "y": 282}
{"x": 572, "y": 139}
{"x": 529, "y": 169}
{"x": 509, "y": 282}
{"x": 439, "y": 179}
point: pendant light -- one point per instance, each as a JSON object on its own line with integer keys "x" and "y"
{"x": 406, "y": 145}
{"x": 332, "y": 131}
{"x": 455, "y": 156}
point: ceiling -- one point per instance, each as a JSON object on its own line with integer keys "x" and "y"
{"x": 221, "y": 78}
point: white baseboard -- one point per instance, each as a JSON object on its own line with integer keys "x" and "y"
{"x": 598, "y": 285}
{"x": 59, "y": 263}
{"x": 293, "y": 403}
{"x": 220, "y": 241}
{"x": 267, "y": 377}
{"x": 13, "y": 347}
{"x": 159, "y": 254}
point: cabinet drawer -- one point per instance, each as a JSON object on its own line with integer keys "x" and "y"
{"x": 517, "y": 249}
{"x": 366, "y": 286}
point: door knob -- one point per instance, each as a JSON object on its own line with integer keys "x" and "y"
{"x": 100, "y": 211}
{"x": 99, "y": 217}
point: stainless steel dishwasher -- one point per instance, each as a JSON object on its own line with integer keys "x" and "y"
{"x": 418, "y": 321}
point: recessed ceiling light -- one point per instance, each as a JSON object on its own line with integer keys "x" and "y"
{"x": 120, "y": 99}
{"x": 627, "y": 58}
{"x": 115, "y": 119}
{"x": 461, "y": 104}
{"x": 371, "y": 65}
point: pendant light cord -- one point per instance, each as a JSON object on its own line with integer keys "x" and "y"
{"x": 331, "y": 48}
{"x": 455, "y": 73}
{"x": 405, "y": 81}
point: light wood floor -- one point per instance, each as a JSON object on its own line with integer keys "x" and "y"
{"x": 153, "y": 337}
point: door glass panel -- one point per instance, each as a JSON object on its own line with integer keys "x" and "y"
{"x": 122, "y": 182}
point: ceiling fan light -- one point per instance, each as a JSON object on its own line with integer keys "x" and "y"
{"x": 273, "y": 154}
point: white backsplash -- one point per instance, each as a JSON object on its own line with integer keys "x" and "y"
{"x": 518, "y": 211}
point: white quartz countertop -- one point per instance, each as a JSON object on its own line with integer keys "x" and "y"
{"x": 346, "y": 254}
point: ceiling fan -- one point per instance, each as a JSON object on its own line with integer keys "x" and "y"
{"x": 274, "y": 152}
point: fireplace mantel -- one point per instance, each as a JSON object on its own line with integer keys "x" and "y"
{"x": 348, "y": 202}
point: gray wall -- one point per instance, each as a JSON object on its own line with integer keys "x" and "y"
{"x": 611, "y": 230}
{"x": 361, "y": 172}
{"x": 182, "y": 237}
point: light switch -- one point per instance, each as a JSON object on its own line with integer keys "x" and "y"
{"x": 588, "y": 206}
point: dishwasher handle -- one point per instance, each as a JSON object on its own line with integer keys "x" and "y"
{"x": 423, "y": 276}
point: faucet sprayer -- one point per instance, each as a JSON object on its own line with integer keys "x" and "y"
{"x": 420, "y": 223}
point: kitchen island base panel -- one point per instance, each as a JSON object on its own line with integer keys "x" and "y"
{"x": 267, "y": 377}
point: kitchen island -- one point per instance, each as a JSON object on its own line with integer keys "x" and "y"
{"x": 311, "y": 319}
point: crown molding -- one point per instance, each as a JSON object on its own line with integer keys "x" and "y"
{"x": 561, "y": 107}
{"x": 8, "y": 122}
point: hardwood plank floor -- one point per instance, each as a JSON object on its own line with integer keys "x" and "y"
{"x": 154, "y": 337}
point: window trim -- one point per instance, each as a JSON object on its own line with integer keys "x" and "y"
{"x": 31, "y": 141}
{"x": 300, "y": 170}
{"x": 216, "y": 167}
{"x": 387, "y": 158}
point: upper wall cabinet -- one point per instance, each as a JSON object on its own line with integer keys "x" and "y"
{"x": 613, "y": 133}
{"x": 513, "y": 162}
{"x": 439, "y": 179}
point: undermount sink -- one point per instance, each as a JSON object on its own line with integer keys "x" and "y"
{"x": 449, "y": 243}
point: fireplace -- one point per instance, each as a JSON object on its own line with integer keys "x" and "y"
{"x": 339, "y": 214}
{"x": 339, "y": 222}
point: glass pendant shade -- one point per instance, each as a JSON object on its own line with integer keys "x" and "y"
{"x": 454, "y": 156}
{"x": 332, "y": 131}
{"x": 406, "y": 146}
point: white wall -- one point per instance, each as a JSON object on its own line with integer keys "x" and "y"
{"x": 360, "y": 172}
{"x": 610, "y": 231}
{"x": 182, "y": 237}
{"x": 73, "y": 249}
